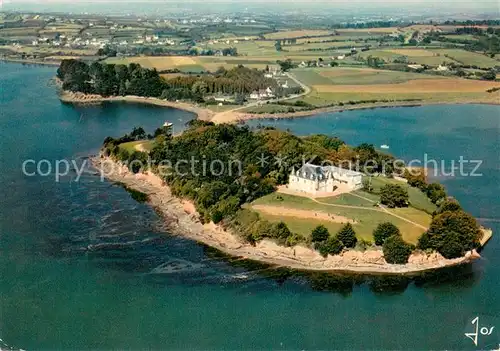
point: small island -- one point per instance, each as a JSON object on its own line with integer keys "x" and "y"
{"x": 232, "y": 188}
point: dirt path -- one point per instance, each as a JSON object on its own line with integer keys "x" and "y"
{"x": 302, "y": 214}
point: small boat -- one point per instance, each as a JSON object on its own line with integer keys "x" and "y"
{"x": 168, "y": 124}
{"x": 384, "y": 146}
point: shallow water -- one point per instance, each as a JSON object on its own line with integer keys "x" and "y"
{"x": 139, "y": 287}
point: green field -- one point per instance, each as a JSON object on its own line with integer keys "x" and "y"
{"x": 418, "y": 199}
{"x": 352, "y": 76}
{"x": 415, "y": 56}
{"x": 470, "y": 58}
{"x": 132, "y": 146}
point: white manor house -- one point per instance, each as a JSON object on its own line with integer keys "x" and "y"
{"x": 312, "y": 179}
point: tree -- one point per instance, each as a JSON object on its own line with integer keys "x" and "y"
{"x": 277, "y": 45}
{"x": 383, "y": 231}
{"x": 280, "y": 231}
{"x": 138, "y": 133}
{"x": 415, "y": 177}
{"x": 367, "y": 184}
{"x": 396, "y": 251}
{"x": 451, "y": 247}
{"x": 294, "y": 239}
{"x": 449, "y": 205}
{"x": 319, "y": 234}
{"x": 332, "y": 246}
{"x": 435, "y": 192}
{"x": 393, "y": 195}
{"x": 285, "y": 65}
{"x": 490, "y": 75}
{"x": 347, "y": 235}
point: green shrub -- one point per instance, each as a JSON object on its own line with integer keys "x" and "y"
{"x": 347, "y": 235}
{"x": 363, "y": 244}
{"x": 332, "y": 246}
{"x": 396, "y": 251}
{"x": 319, "y": 234}
{"x": 280, "y": 231}
{"x": 449, "y": 205}
{"x": 294, "y": 239}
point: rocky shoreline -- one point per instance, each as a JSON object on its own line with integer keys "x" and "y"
{"x": 181, "y": 219}
{"x": 83, "y": 99}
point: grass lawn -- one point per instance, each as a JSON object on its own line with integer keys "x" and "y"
{"x": 367, "y": 218}
{"x": 131, "y": 146}
{"x": 217, "y": 108}
{"x": 418, "y": 199}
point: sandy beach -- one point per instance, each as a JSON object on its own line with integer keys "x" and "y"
{"x": 236, "y": 116}
{"x": 181, "y": 219}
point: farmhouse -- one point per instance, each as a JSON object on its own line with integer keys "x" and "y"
{"x": 312, "y": 179}
{"x": 262, "y": 94}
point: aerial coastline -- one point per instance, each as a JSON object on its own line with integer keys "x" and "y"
{"x": 181, "y": 219}
{"x": 327, "y": 170}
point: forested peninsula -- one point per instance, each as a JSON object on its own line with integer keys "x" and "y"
{"x": 225, "y": 199}
{"x": 110, "y": 80}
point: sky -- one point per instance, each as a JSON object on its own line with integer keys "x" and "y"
{"x": 491, "y": 6}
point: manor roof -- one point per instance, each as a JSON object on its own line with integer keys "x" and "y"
{"x": 315, "y": 172}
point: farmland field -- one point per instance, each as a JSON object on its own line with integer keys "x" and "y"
{"x": 469, "y": 58}
{"x": 432, "y": 85}
{"x": 354, "y": 76}
{"x": 158, "y": 62}
{"x": 345, "y": 85}
{"x": 418, "y": 56}
{"x": 297, "y": 34}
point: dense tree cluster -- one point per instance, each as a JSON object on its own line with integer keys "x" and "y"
{"x": 114, "y": 80}
{"x": 452, "y": 231}
{"x": 393, "y": 195}
{"x": 240, "y": 177}
{"x": 434, "y": 191}
{"x": 253, "y": 228}
{"x": 238, "y": 80}
{"x": 328, "y": 244}
{"x": 235, "y": 151}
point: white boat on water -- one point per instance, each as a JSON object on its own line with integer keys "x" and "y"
{"x": 168, "y": 124}
{"x": 384, "y": 146}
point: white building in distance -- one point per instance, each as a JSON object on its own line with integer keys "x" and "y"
{"x": 312, "y": 179}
